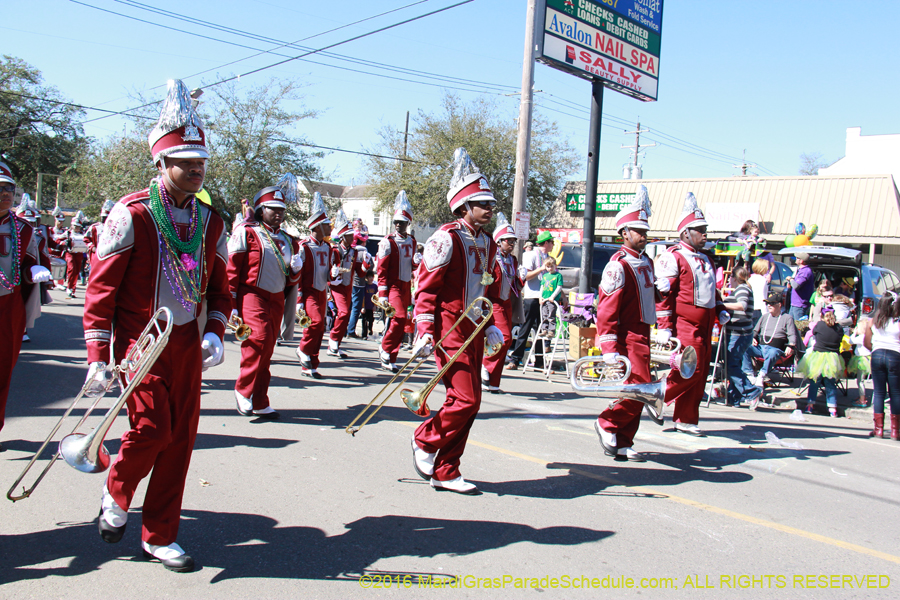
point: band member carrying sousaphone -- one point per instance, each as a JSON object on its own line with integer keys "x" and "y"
{"x": 263, "y": 260}
{"x": 159, "y": 248}
{"x": 458, "y": 262}
{"x": 625, "y": 311}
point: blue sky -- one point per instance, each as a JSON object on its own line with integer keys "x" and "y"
{"x": 775, "y": 78}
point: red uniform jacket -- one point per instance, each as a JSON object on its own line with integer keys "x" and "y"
{"x": 395, "y": 262}
{"x": 316, "y": 271}
{"x": 506, "y": 279}
{"x": 626, "y": 308}
{"x": 252, "y": 261}
{"x": 348, "y": 259}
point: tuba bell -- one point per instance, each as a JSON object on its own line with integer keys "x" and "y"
{"x": 667, "y": 356}
{"x": 592, "y": 376}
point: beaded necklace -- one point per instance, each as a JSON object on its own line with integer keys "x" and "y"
{"x": 486, "y": 278}
{"x": 161, "y": 207}
{"x": 279, "y": 257}
{"x": 768, "y": 342}
{"x": 16, "y": 250}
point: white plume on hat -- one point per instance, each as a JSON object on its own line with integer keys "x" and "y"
{"x": 503, "y": 228}
{"x": 467, "y": 183}
{"x": 79, "y": 219}
{"x": 342, "y": 224}
{"x": 691, "y": 215}
{"x": 179, "y": 132}
{"x": 317, "y": 212}
{"x": 402, "y": 207}
{"x": 107, "y": 207}
{"x": 637, "y": 213}
{"x": 24, "y": 204}
{"x": 290, "y": 188}
{"x": 56, "y": 212}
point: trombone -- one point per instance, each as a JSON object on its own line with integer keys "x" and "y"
{"x": 389, "y": 311}
{"x": 416, "y": 400}
{"x": 85, "y": 452}
{"x": 241, "y": 330}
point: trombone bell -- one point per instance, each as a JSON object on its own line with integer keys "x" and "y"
{"x": 74, "y": 450}
{"x": 241, "y": 330}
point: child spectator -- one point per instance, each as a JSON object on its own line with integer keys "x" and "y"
{"x": 824, "y": 363}
{"x": 551, "y": 288}
{"x": 861, "y": 363}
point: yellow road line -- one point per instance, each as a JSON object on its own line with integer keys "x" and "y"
{"x": 707, "y": 507}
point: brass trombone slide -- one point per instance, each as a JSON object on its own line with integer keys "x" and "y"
{"x": 414, "y": 401}
{"x": 86, "y": 452}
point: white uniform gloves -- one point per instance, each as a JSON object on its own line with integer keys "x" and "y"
{"x": 98, "y": 379}
{"x": 493, "y": 335}
{"x": 610, "y": 358}
{"x": 213, "y": 345}
{"x": 663, "y": 285}
{"x": 423, "y": 346}
{"x": 297, "y": 262}
{"x": 663, "y": 336}
{"x": 40, "y": 274}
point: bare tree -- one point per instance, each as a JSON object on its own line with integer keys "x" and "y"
{"x": 811, "y": 163}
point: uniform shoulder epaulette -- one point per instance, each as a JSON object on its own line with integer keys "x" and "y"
{"x": 136, "y": 197}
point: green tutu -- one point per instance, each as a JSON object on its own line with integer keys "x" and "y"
{"x": 821, "y": 364}
{"x": 860, "y": 364}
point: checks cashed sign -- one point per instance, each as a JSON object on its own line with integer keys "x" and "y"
{"x": 616, "y": 41}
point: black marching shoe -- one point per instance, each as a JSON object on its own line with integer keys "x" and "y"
{"x": 108, "y": 533}
{"x": 172, "y": 557}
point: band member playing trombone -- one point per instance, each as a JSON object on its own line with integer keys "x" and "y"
{"x": 625, "y": 311}
{"x": 397, "y": 258}
{"x": 317, "y": 271}
{"x": 20, "y": 268}
{"x": 351, "y": 260}
{"x": 690, "y": 303}
{"x": 457, "y": 264}
{"x": 262, "y": 260}
{"x": 508, "y": 283}
{"x": 160, "y": 247}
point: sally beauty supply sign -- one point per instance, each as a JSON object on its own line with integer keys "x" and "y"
{"x": 615, "y": 41}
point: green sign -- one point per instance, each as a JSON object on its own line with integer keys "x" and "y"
{"x": 605, "y": 202}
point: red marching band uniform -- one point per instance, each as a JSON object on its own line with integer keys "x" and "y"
{"x": 313, "y": 292}
{"x": 20, "y": 269}
{"x": 139, "y": 268}
{"x": 688, "y": 311}
{"x": 507, "y": 285}
{"x": 92, "y": 235}
{"x": 626, "y": 310}
{"x": 350, "y": 260}
{"x": 74, "y": 249}
{"x": 261, "y": 264}
{"x": 397, "y": 258}
{"x": 456, "y": 268}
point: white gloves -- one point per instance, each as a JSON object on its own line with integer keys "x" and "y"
{"x": 417, "y": 258}
{"x": 98, "y": 380}
{"x": 40, "y": 274}
{"x": 297, "y": 262}
{"x": 493, "y": 335}
{"x": 212, "y": 344}
{"x": 724, "y": 317}
{"x": 663, "y": 285}
{"x": 362, "y": 255}
{"x": 663, "y": 336}
{"x": 610, "y": 358}
{"x": 234, "y": 313}
{"x": 423, "y": 346}
{"x": 335, "y": 272}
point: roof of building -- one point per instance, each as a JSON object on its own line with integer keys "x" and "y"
{"x": 847, "y": 209}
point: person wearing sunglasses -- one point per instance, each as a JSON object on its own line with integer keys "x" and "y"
{"x": 690, "y": 307}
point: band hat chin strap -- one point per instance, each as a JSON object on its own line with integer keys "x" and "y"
{"x": 162, "y": 161}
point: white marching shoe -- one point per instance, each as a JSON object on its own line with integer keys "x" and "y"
{"x": 688, "y": 428}
{"x": 630, "y": 454}
{"x": 458, "y": 485}
{"x": 172, "y": 557}
{"x": 112, "y": 519}
{"x": 423, "y": 462}
{"x": 244, "y": 405}
{"x": 607, "y": 439}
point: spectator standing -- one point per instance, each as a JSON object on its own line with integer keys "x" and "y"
{"x": 802, "y": 285}
{"x": 861, "y": 363}
{"x": 368, "y": 309}
{"x": 740, "y": 336}
{"x": 883, "y": 339}
{"x": 531, "y": 270}
{"x": 760, "y": 288}
{"x": 551, "y": 288}
{"x": 824, "y": 363}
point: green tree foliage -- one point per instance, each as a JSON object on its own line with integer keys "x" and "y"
{"x": 490, "y": 140}
{"x": 39, "y": 131}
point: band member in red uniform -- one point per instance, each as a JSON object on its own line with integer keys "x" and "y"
{"x": 317, "y": 271}
{"x": 351, "y": 260}
{"x": 262, "y": 261}
{"x": 74, "y": 248}
{"x": 456, "y": 268}
{"x": 58, "y": 235}
{"x": 19, "y": 269}
{"x": 28, "y": 212}
{"x": 160, "y": 247}
{"x": 625, "y": 312}
{"x": 397, "y": 258}
{"x": 92, "y": 235}
{"x": 687, "y": 280}
{"x": 507, "y": 284}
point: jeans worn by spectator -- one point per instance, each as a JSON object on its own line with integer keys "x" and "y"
{"x": 532, "y": 308}
{"x": 798, "y": 313}
{"x": 740, "y": 390}
{"x": 886, "y": 380}
{"x": 359, "y": 293}
{"x": 830, "y": 386}
{"x": 768, "y": 354}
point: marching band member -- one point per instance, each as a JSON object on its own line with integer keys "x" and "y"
{"x": 397, "y": 258}
{"x": 57, "y": 241}
{"x": 19, "y": 269}
{"x": 690, "y": 302}
{"x": 262, "y": 261}
{"x": 351, "y": 260}
{"x": 28, "y": 211}
{"x": 508, "y": 282}
{"x": 92, "y": 235}
{"x": 317, "y": 271}
{"x": 456, "y": 268}
{"x": 625, "y": 312}
{"x": 160, "y": 247}
{"x": 74, "y": 248}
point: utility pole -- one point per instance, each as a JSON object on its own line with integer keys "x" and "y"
{"x": 743, "y": 166}
{"x": 636, "y": 149}
{"x": 523, "y": 139}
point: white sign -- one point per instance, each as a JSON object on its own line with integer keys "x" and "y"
{"x": 730, "y": 217}
{"x": 522, "y": 224}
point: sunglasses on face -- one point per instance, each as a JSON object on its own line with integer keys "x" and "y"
{"x": 484, "y": 204}
{"x": 7, "y": 188}
{"x": 698, "y": 229}
{"x": 828, "y": 295}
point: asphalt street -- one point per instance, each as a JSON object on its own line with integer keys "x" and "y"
{"x": 300, "y": 509}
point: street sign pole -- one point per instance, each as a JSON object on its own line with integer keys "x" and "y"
{"x": 590, "y": 191}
